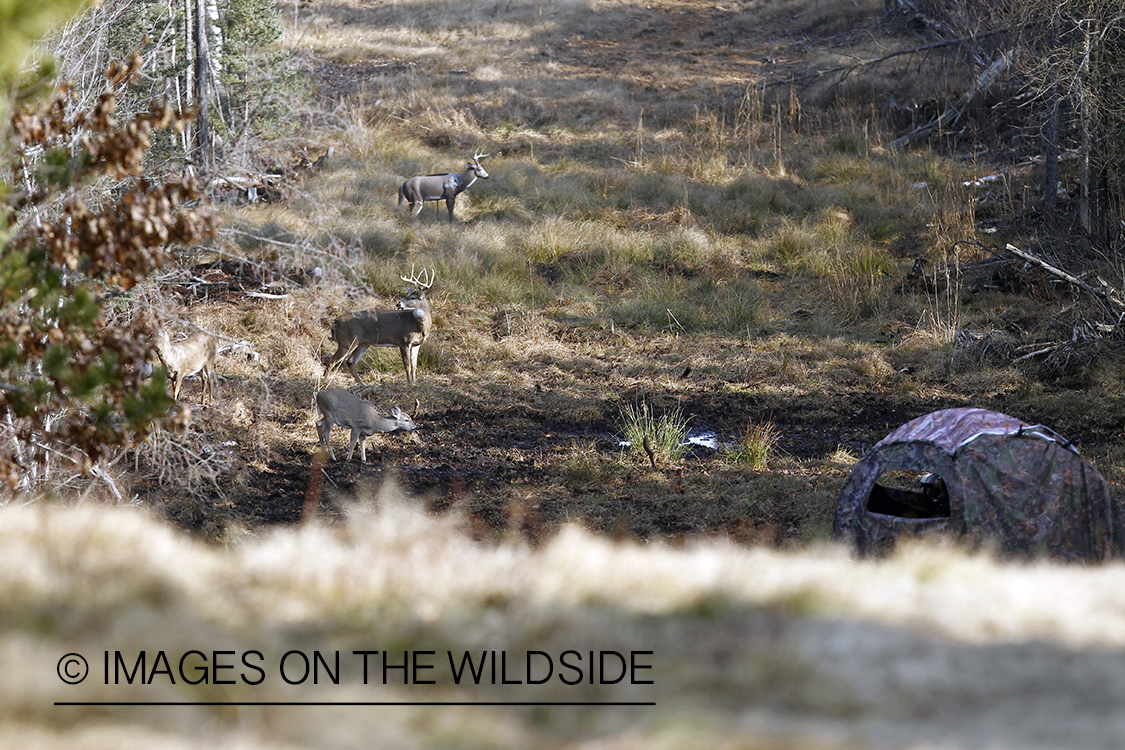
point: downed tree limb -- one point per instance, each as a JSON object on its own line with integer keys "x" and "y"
{"x": 1084, "y": 330}
{"x": 251, "y": 355}
{"x": 852, "y": 67}
{"x": 1107, "y": 295}
{"x": 952, "y": 114}
{"x": 1037, "y": 352}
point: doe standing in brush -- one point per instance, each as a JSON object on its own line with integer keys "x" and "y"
{"x": 196, "y": 354}
{"x": 438, "y": 187}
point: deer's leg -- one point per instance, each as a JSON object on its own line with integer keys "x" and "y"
{"x": 449, "y": 204}
{"x": 356, "y": 438}
{"x": 206, "y": 384}
{"x": 416, "y": 208}
{"x": 177, "y": 381}
{"x": 324, "y": 431}
{"x": 404, "y": 351}
{"x": 414, "y": 349}
{"x": 341, "y": 352}
{"x": 354, "y": 360}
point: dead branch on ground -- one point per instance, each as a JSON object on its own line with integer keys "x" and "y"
{"x": 954, "y": 112}
{"x": 1107, "y": 294}
{"x": 1083, "y": 329}
{"x": 850, "y": 68}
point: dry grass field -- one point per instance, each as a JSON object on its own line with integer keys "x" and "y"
{"x": 659, "y": 233}
{"x": 664, "y": 240}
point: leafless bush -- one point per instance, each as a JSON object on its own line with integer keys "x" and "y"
{"x": 189, "y": 462}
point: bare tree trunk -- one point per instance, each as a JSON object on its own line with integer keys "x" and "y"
{"x": 1085, "y": 137}
{"x": 202, "y": 147}
{"x": 216, "y": 29}
{"x": 1051, "y": 164}
{"x": 1051, "y": 140}
{"x": 1092, "y": 83}
{"x": 179, "y": 140}
{"x": 189, "y": 45}
{"x": 1085, "y": 222}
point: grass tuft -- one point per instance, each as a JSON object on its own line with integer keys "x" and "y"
{"x": 666, "y": 434}
{"x": 757, "y": 446}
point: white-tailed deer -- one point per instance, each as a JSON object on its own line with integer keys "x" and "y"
{"x": 405, "y": 328}
{"x": 195, "y": 354}
{"x": 339, "y": 407}
{"x": 441, "y": 187}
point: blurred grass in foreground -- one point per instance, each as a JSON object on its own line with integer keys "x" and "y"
{"x": 752, "y": 648}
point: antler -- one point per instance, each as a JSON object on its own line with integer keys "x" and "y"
{"x": 478, "y": 156}
{"x": 413, "y": 279}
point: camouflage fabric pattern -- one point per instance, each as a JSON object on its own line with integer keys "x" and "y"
{"x": 952, "y": 428}
{"x": 1018, "y": 487}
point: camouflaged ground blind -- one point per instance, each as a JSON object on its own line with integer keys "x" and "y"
{"x": 1020, "y": 487}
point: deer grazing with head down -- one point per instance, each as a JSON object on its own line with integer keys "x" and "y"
{"x": 441, "y": 187}
{"x": 405, "y": 328}
{"x": 195, "y": 354}
{"x": 339, "y": 407}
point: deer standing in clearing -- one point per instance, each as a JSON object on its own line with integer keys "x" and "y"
{"x": 195, "y": 354}
{"x": 438, "y": 187}
{"x": 339, "y": 407}
{"x": 405, "y": 328}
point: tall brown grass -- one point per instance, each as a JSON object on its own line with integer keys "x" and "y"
{"x": 810, "y": 649}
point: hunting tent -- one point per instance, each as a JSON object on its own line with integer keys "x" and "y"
{"x": 979, "y": 474}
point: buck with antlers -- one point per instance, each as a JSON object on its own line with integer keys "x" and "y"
{"x": 405, "y": 328}
{"x": 438, "y": 187}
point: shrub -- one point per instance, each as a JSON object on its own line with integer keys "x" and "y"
{"x": 73, "y": 384}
